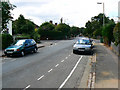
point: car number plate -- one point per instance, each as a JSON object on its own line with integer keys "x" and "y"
{"x": 81, "y": 50}
{"x": 9, "y": 52}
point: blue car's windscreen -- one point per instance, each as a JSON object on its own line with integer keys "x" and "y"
{"x": 19, "y": 42}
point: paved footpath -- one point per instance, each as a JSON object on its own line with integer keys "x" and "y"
{"x": 106, "y": 68}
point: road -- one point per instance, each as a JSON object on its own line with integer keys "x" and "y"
{"x": 53, "y": 66}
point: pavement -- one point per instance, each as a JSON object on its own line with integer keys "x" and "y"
{"x": 106, "y": 68}
{"x": 101, "y": 71}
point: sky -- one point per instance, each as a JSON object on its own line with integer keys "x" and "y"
{"x": 73, "y": 12}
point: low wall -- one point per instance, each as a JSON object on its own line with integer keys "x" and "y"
{"x": 116, "y": 49}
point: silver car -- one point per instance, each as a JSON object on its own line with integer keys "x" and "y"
{"x": 83, "y": 45}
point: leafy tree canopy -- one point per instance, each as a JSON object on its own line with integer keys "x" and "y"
{"x": 47, "y": 26}
{"x": 93, "y": 27}
{"x": 23, "y": 26}
{"x": 6, "y": 14}
{"x": 63, "y": 28}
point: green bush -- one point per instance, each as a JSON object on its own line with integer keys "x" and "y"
{"x": 51, "y": 34}
{"x": 23, "y": 36}
{"x": 35, "y": 36}
{"x": 107, "y": 33}
{"x": 116, "y": 34}
{"x": 7, "y": 39}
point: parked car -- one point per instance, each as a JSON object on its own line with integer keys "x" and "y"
{"x": 21, "y": 47}
{"x": 83, "y": 45}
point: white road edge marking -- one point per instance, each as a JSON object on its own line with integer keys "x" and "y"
{"x": 40, "y": 77}
{"x": 62, "y": 61}
{"x": 57, "y": 65}
{"x": 61, "y": 86}
{"x": 50, "y": 70}
{"x": 27, "y": 87}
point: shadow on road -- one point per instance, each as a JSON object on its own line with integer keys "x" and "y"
{"x": 85, "y": 53}
{"x": 26, "y": 55}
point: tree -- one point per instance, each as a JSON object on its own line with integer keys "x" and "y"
{"x": 6, "y": 14}
{"x": 63, "y": 28}
{"x": 47, "y": 26}
{"x": 93, "y": 27}
{"x": 74, "y": 30}
{"x": 19, "y": 24}
{"x": 116, "y": 33}
{"x": 23, "y": 26}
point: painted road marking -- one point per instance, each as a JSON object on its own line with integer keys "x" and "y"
{"x": 61, "y": 86}
{"x": 69, "y": 55}
{"x": 13, "y": 60}
{"x": 40, "y": 77}
{"x": 57, "y": 65}
{"x": 27, "y": 87}
{"x": 50, "y": 70}
{"x": 62, "y": 61}
{"x": 66, "y": 58}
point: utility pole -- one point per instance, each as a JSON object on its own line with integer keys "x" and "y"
{"x": 103, "y": 12}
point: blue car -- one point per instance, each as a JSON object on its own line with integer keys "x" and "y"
{"x": 21, "y": 47}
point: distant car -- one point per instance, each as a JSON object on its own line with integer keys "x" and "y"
{"x": 21, "y": 47}
{"x": 83, "y": 45}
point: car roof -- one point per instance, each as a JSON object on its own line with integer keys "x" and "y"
{"x": 25, "y": 39}
{"x": 83, "y": 38}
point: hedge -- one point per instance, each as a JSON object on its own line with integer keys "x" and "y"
{"x": 7, "y": 39}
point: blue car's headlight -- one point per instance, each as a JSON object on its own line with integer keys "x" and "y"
{"x": 88, "y": 48}
{"x": 5, "y": 50}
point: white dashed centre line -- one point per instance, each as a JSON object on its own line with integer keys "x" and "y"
{"x": 40, "y": 77}
{"x": 57, "y": 65}
{"x": 62, "y": 61}
{"x": 69, "y": 55}
{"x": 27, "y": 87}
{"x": 66, "y": 58}
{"x": 50, "y": 70}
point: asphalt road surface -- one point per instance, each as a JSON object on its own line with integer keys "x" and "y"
{"x": 53, "y": 66}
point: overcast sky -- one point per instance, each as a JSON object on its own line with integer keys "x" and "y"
{"x": 74, "y": 12}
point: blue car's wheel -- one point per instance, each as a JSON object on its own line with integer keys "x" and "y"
{"x": 35, "y": 50}
{"x": 22, "y": 53}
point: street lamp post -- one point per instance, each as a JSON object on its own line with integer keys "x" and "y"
{"x": 103, "y": 12}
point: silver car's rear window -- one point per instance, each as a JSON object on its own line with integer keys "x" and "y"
{"x": 83, "y": 41}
